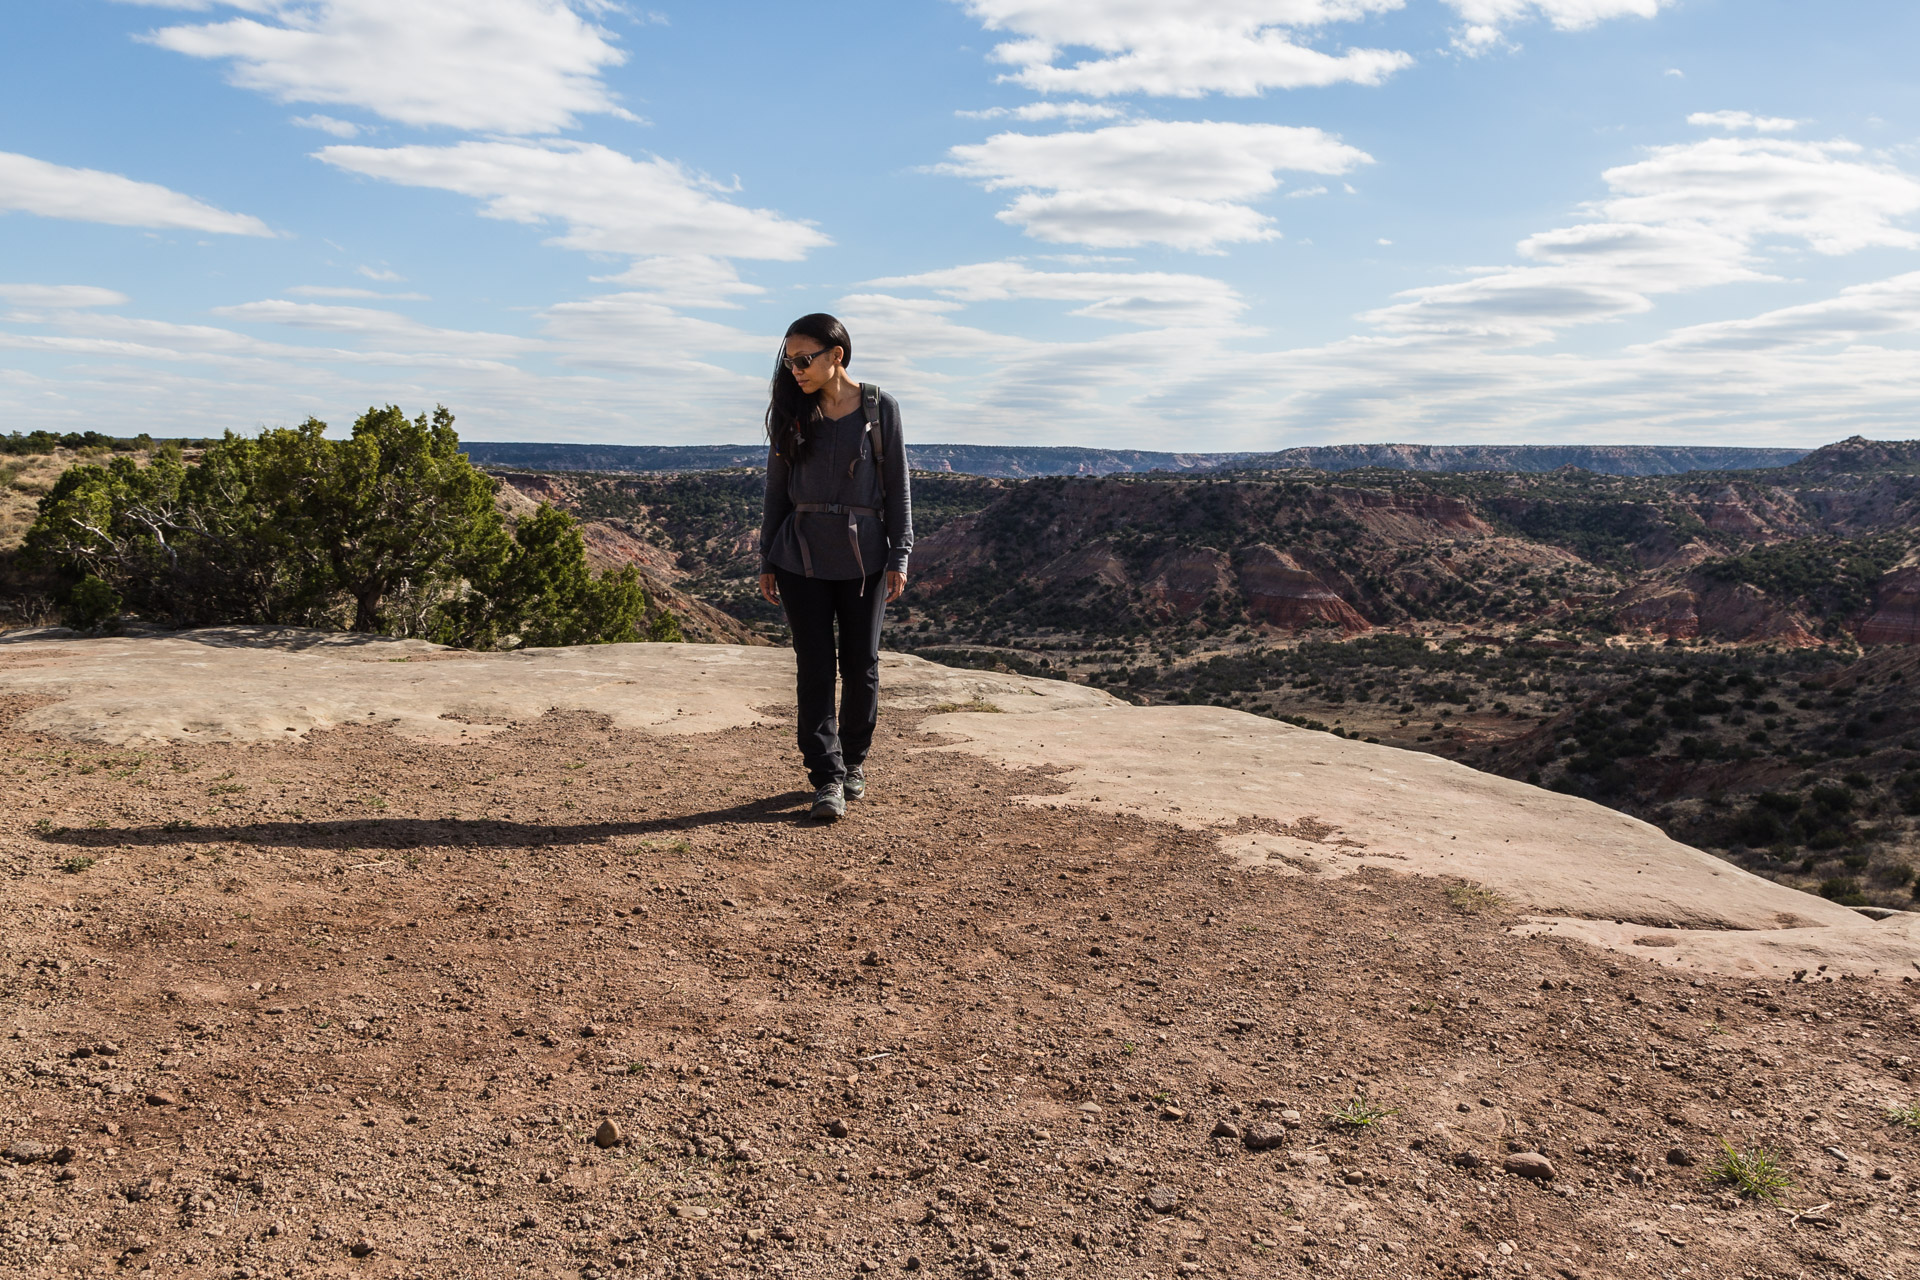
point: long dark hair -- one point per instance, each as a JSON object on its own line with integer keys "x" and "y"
{"x": 790, "y": 411}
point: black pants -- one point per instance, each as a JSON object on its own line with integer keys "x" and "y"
{"x": 831, "y": 745}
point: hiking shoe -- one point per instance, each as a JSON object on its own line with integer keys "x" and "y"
{"x": 830, "y": 803}
{"x": 856, "y": 784}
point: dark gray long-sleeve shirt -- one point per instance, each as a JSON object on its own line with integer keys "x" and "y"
{"x": 822, "y": 476}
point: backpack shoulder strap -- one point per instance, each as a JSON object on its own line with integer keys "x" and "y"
{"x": 870, "y": 405}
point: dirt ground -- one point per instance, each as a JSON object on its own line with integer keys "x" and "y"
{"x": 357, "y": 1006}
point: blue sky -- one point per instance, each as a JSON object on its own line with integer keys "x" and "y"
{"x": 1234, "y": 224}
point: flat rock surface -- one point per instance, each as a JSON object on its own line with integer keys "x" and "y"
{"x": 357, "y": 1003}
{"x": 265, "y": 684}
{"x": 1278, "y": 797}
{"x": 1303, "y": 802}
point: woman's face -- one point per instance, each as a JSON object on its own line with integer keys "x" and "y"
{"x": 815, "y": 375}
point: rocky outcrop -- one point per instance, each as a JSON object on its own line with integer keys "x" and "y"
{"x": 1718, "y": 610}
{"x": 950, "y": 551}
{"x": 1282, "y": 592}
{"x": 1896, "y": 609}
{"x": 1182, "y": 580}
{"x": 1097, "y": 562}
{"x": 1399, "y": 517}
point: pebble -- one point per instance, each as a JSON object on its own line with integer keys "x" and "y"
{"x": 608, "y": 1135}
{"x": 593, "y": 1029}
{"x": 361, "y": 1248}
{"x": 162, "y": 1100}
{"x": 837, "y": 1129}
{"x": 1162, "y": 1199}
{"x": 1530, "y": 1164}
{"x": 1264, "y": 1137}
{"x": 24, "y": 1152}
{"x": 1226, "y": 1129}
{"x": 1682, "y": 1157}
{"x": 1172, "y": 1113}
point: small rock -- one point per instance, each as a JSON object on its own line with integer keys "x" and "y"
{"x": 608, "y": 1135}
{"x": 1883, "y": 1175}
{"x": 24, "y": 1152}
{"x": 785, "y": 1235}
{"x": 910, "y": 1263}
{"x": 361, "y": 1248}
{"x": 689, "y": 1211}
{"x": 1244, "y": 1025}
{"x": 162, "y": 1100}
{"x": 837, "y": 1129}
{"x": 1682, "y": 1157}
{"x": 1466, "y": 1160}
{"x": 871, "y": 959}
{"x": 593, "y": 1029}
{"x": 1162, "y": 1199}
{"x": 1462, "y": 1108}
{"x": 1226, "y": 1129}
{"x": 1291, "y": 1119}
{"x": 1264, "y": 1137}
{"x": 1530, "y": 1164}
{"x": 1090, "y": 1108}
{"x": 1172, "y": 1113}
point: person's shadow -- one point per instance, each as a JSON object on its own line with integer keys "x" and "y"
{"x": 412, "y": 833}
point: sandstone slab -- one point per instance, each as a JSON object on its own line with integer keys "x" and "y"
{"x": 273, "y": 684}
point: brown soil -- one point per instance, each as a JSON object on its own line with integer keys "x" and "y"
{"x": 356, "y": 995}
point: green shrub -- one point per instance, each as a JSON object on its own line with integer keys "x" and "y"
{"x": 1844, "y": 890}
{"x": 91, "y": 605}
{"x": 391, "y": 531}
{"x": 1756, "y": 1174}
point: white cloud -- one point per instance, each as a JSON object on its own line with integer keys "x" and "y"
{"x": 1486, "y": 21}
{"x": 642, "y": 331}
{"x": 1861, "y": 311}
{"x": 1178, "y": 183}
{"x": 335, "y": 291}
{"x": 499, "y": 66}
{"x": 1152, "y": 298}
{"x": 1567, "y": 15}
{"x": 1685, "y": 218}
{"x": 605, "y": 201}
{"x": 1071, "y": 112}
{"x": 1767, "y": 187}
{"x": 61, "y": 297}
{"x": 692, "y": 281}
{"x": 34, "y": 186}
{"x": 385, "y": 327}
{"x": 1240, "y": 47}
{"x": 327, "y": 124}
{"x": 378, "y": 273}
{"x": 1737, "y": 120}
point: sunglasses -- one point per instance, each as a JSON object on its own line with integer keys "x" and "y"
{"x": 799, "y": 364}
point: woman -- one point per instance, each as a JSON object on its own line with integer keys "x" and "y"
{"x": 837, "y": 518}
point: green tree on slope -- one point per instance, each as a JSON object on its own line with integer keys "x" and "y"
{"x": 391, "y": 530}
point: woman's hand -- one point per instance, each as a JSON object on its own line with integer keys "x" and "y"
{"x": 896, "y": 585}
{"x": 769, "y": 588}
